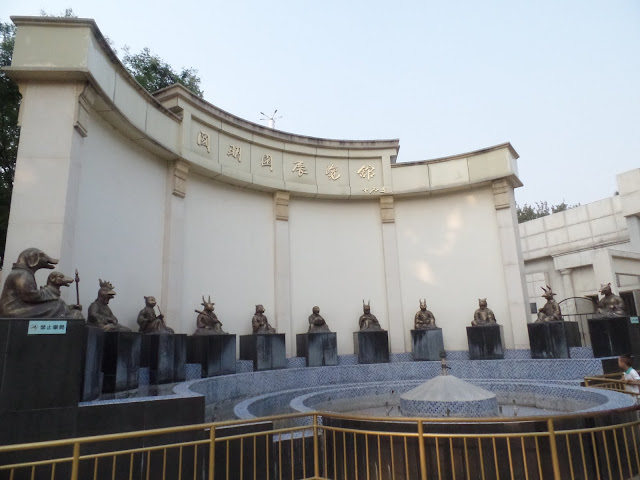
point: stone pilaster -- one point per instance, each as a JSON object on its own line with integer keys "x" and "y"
{"x": 86, "y": 98}
{"x": 567, "y": 282}
{"x": 173, "y": 258}
{"x": 47, "y": 178}
{"x": 603, "y": 269}
{"x": 512, "y": 265}
{"x": 282, "y": 270}
{"x": 392, "y": 275}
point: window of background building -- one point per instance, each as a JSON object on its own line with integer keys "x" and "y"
{"x": 629, "y": 303}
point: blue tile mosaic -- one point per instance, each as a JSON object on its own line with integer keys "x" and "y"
{"x": 296, "y": 362}
{"x": 193, "y": 371}
{"x": 400, "y": 357}
{"x": 580, "y": 352}
{"x": 487, "y": 407}
{"x": 266, "y": 392}
{"x": 143, "y": 376}
{"x": 517, "y": 354}
{"x": 244, "y": 366}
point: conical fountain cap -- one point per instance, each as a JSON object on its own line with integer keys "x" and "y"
{"x": 447, "y": 388}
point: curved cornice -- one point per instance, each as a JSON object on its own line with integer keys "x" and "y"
{"x": 176, "y": 124}
{"x": 167, "y": 94}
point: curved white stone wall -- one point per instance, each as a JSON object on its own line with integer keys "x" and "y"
{"x": 168, "y": 195}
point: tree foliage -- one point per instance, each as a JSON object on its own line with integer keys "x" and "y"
{"x": 9, "y": 130}
{"x": 153, "y": 73}
{"x": 540, "y": 209}
{"x": 68, "y": 13}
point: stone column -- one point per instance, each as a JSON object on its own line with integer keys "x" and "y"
{"x": 629, "y": 188}
{"x": 603, "y": 269}
{"x": 173, "y": 256}
{"x": 516, "y": 335}
{"x": 567, "y": 282}
{"x": 392, "y": 276}
{"x": 46, "y": 184}
{"x": 283, "y": 271}
{"x": 633, "y": 225}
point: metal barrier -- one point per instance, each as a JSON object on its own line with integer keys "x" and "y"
{"x": 331, "y": 446}
{"x": 583, "y": 325}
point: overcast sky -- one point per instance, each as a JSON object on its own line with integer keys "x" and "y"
{"x": 560, "y": 80}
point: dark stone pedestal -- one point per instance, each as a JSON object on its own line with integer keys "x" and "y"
{"x": 426, "y": 344}
{"x": 485, "y": 342}
{"x": 371, "y": 346}
{"x": 553, "y": 339}
{"x": 157, "y": 354}
{"x": 215, "y": 353}
{"x": 92, "y": 368}
{"x": 614, "y": 336}
{"x": 40, "y": 370}
{"x": 266, "y": 350}
{"x": 319, "y": 348}
{"x": 572, "y": 330}
{"x": 107, "y": 418}
{"x": 121, "y": 361}
{"x": 180, "y": 357}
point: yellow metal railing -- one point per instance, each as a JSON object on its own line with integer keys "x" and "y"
{"x": 603, "y": 446}
{"x": 609, "y": 381}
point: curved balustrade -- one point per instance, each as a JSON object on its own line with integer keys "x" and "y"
{"x": 602, "y": 445}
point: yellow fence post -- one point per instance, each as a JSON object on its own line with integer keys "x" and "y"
{"x": 554, "y": 450}
{"x": 75, "y": 463}
{"x": 212, "y": 452}
{"x": 423, "y": 455}
{"x": 316, "y": 461}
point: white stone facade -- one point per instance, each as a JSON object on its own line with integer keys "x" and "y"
{"x": 577, "y": 250}
{"x": 167, "y": 195}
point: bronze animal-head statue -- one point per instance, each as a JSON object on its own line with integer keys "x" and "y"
{"x": 548, "y": 293}
{"x": 34, "y": 259}
{"x": 605, "y": 289}
{"x": 106, "y": 291}
{"x": 482, "y": 302}
{"x": 259, "y": 309}
{"x": 423, "y": 304}
{"x": 207, "y": 304}
{"x": 57, "y": 279}
{"x": 150, "y": 301}
{"x": 366, "y": 307}
{"x": 315, "y": 310}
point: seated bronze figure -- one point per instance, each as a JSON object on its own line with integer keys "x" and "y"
{"x": 424, "y": 319}
{"x": 149, "y": 322}
{"x": 99, "y": 314}
{"x": 550, "y": 311}
{"x": 483, "y": 315}
{"x": 368, "y": 321}
{"x": 207, "y": 321}
{"x": 260, "y": 323}
{"x": 610, "y": 305}
{"x": 316, "y": 322}
{"x": 21, "y": 297}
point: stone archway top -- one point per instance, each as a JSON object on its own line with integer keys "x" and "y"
{"x": 173, "y": 123}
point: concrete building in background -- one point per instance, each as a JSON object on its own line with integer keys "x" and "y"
{"x": 577, "y": 250}
{"x": 168, "y": 195}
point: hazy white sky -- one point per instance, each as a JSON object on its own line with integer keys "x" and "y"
{"x": 560, "y": 80}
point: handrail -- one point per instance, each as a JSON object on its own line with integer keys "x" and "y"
{"x": 543, "y": 447}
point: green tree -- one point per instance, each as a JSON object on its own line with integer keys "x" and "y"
{"x": 540, "y": 209}
{"x": 68, "y": 13}
{"x": 153, "y": 73}
{"x": 9, "y": 130}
